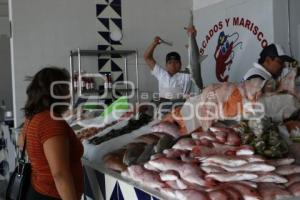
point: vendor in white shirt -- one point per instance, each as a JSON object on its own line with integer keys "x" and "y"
{"x": 172, "y": 84}
{"x": 270, "y": 64}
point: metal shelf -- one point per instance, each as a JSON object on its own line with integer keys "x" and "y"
{"x": 101, "y": 52}
{"x": 123, "y": 53}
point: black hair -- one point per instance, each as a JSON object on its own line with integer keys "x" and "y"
{"x": 173, "y": 56}
{"x": 38, "y": 92}
{"x": 262, "y": 59}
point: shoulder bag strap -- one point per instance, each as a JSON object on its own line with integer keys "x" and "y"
{"x": 25, "y": 141}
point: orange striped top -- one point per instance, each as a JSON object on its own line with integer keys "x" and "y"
{"x": 40, "y": 128}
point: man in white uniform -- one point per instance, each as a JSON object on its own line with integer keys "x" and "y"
{"x": 172, "y": 85}
{"x": 270, "y": 64}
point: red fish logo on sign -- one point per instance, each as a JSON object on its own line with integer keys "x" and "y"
{"x": 224, "y": 54}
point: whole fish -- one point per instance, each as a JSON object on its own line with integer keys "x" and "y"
{"x": 143, "y": 176}
{"x": 194, "y": 65}
{"x": 250, "y": 167}
{"x": 225, "y": 160}
{"x": 270, "y": 177}
{"x": 211, "y": 169}
{"x": 281, "y": 161}
{"x": 231, "y": 176}
{"x": 248, "y": 183}
{"x": 270, "y": 191}
{"x": 288, "y": 169}
{"x": 188, "y": 172}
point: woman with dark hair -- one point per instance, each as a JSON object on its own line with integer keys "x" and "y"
{"x": 53, "y": 149}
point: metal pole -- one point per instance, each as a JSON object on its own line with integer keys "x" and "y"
{"x": 126, "y": 74}
{"x": 72, "y": 92}
{"x": 79, "y": 73}
{"x": 137, "y": 77}
{"x": 289, "y": 28}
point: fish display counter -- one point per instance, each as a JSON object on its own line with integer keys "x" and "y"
{"x": 154, "y": 161}
{"x": 211, "y": 159}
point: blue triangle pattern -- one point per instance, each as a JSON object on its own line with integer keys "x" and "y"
{"x": 154, "y": 198}
{"x": 105, "y": 35}
{"x": 114, "y": 195}
{"x": 117, "y": 22}
{"x": 141, "y": 195}
{"x": 115, "y": 67}
{"x": 104, "y": 21}
{"x": 121, "y": 197}
{"x": 101, "y": 181}
{"x": 102, "y": 62}
{"x": 117, "y": 8}
{"x": 87, "y": 187}
{"x": 117, "y": 193}
{"x": 100, "y": 8}
{"x": 120, "y": 78}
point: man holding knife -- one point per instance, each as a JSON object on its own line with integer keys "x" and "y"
{"x": 172, "y": 84}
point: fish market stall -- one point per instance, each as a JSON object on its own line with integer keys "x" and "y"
{"x": 187, "y": 162}
{"x": 216, "y": 158}
{"x": 200, "y": 161}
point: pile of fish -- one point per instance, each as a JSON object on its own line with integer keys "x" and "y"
{"x": 139, "y": 151}
{"x": 133, "y": 124}
{"x": 215, "y": 165}
{"x": 264, "y": 136}
{"x": 83, "y": 132}
{"x": 91, "y": 131}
